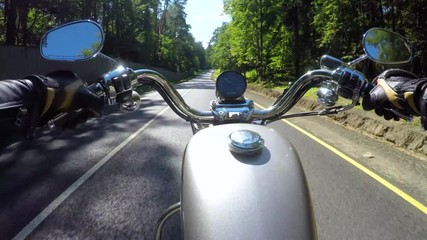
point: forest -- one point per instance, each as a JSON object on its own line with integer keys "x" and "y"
{"x": 153, "y": 32}
{"x": 267, "y": 40}
{"x": 274, "y": 40}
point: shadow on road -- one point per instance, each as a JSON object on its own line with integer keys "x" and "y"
{"x": 41, "y": 169}
{"x": 44, "y": 167}
{"x": 200, "y": 86}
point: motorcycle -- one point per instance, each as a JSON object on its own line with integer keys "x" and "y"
{"x": 243, "y": 202}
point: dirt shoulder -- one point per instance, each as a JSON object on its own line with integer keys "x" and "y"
{"x": 408, "y": 138}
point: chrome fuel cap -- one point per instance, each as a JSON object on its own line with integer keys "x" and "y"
{"x": 245, "y": 142}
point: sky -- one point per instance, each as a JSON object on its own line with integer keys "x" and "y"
{"x": 205, "y": 16}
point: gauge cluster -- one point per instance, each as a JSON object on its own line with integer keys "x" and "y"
{"x": 230, "y": 85}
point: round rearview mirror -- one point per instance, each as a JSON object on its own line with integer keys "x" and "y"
{"x": 386, "y": 47}
{"x": 75, "y": 41}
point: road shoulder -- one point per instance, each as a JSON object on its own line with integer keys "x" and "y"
{"x": 407, "y": 137}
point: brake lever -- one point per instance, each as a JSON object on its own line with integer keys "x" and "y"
{"x": 62, "y": 118}
{"x": 326, "y": 111}
{"x": 335, "y": 110}
{"x": 399, "y": 114}
{"x": 323, "y": 112}
{"x": 329, "y": 111}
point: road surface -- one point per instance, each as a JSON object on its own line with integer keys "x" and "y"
{"x": 71, "y": 185}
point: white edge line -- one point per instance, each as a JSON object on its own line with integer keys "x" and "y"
{"x": 31, "y": 226}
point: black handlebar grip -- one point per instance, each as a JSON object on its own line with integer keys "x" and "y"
{"x": 92, "y": 87}
{"x": 374, "y": 97}
{"x": 117, "y": 84}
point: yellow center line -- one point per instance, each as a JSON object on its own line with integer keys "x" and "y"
{"x": 375, "y": 176}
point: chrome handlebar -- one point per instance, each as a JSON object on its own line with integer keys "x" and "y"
{"x": 347, "y": 83}
{"x": 279, "y": 108}
{"x": 171, "y": 96}
{"x": 285, "y": 102}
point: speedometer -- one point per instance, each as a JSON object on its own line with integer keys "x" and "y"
{"x": 230, "y": 85}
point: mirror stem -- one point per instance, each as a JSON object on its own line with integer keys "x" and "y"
{"x": 357, "y": 60}
{"x": 116, "y": 63}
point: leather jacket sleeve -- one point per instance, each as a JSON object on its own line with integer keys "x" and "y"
{"x": 20, "y": 105}
{"x": 19, "y": 92}
{"x": 28, "y": 103}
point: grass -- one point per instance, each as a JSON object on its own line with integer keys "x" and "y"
{"x": 215, "y": 74}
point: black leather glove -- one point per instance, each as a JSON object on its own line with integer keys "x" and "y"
{"x": 397, "y": 94}
{"x": 28, "y": 103}
{"x": 66, "y": 93}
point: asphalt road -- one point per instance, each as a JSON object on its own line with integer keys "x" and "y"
{"x": 123, "y": 196}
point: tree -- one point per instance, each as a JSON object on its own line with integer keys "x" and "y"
{"x": 137, "y": 30}
{"x": 280, "y": 40}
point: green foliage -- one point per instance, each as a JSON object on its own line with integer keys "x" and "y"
{"x": 87, "y": 52}
{"x": 148, "y": 31}
{"x": 2, "y": 26}
{"x": 220, "y": 55}
{"x": 272, "y": 40}
{"x": 277, "y": 41}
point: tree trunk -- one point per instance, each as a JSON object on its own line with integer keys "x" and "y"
{"x": 10, "y": 16}
{"x": 296, "y": 41}
{"x": 260, "y": 43}
{"x": 393, "y": 17}
{"x": 86, "y": 11}
{"x": 23, "y": 19}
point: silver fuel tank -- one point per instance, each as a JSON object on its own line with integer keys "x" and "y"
{"x": 228, "y": 195}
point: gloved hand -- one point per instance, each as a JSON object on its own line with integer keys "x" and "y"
{"x": 66, "y": 93}
{"x": 397, "y": 94}
{"x": 28, "y": 103}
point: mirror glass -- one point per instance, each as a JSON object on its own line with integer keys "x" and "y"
{"x": 75, "y": 41}
{"x": 383, "y": 46}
